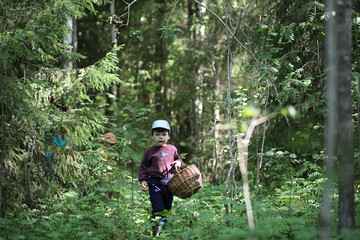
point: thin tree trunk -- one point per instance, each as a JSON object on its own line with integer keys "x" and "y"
{"x": 243, "y": 145}
{"x": 259, "y": 162}
{"x": 228, "y": 97}
{"x": 2, "y": 154}
{"x": 192, "y": 10}
{"x": 162, "y": 55}
{"x": 74, "y": 41}
{"x": 217, "y": 96}
{"x": 260, "y": 159}
{"x": 68, "y": 62}
{"x": 199, "y": 37}
{"x": 114, "y": 42}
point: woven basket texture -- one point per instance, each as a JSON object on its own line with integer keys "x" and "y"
{"x": 186, "y": 183}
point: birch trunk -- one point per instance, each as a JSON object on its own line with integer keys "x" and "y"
{"x": 217, "y": 96}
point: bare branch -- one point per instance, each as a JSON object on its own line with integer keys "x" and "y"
{"x": 245, "y": 48}
{"x": 168, "y": 20}
{"x": 231, "y": 33}
{"x": 128, "y": 10}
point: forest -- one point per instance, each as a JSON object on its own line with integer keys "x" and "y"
{"x": 262, "y": 96}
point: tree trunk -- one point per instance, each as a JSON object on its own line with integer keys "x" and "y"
{"x": 199, "y": 38}
{"x": 69, "y": 40}
{"x": 217, "y": 120}
{"x": 259, "y": 161}
{"x": 230, "y": 132}
{"x": 325, "y": 213}
{"x": 161, "y": 54}
{"x": 2, "y": 153}
{"x": 339, "y": 129}
{"x": 74, "y": 40}
{"x": 344, "y": 144}
{"x": 114, "y": 42}
{"x": 242, "y": 145}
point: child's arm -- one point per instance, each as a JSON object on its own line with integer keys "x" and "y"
{"x": 143, "y": 174}
{"x": 177, "y": 161}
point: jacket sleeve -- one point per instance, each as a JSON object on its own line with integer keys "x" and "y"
{"x": 143, "y": 171}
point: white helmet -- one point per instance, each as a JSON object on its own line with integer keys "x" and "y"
{"x": 161, "y": 124}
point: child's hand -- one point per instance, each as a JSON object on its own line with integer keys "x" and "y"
{"x": 177, "y": 165}
{"x": 144, "y": 186}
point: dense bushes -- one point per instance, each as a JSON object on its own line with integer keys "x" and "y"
{"x": 116, "y": 211}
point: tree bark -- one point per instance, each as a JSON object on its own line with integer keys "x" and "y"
{"x": 339, "y": 129}
{"x": 2, "y": 153}
{"x": 114, "y": 42}
{"x": 69, "y": 40}
{"x": 330, "y": 136}
{"x": 345, "y": 136}
{"x": 217, "y": 119}
{"x": 243, "y": 146}
{"x": 230, "y": 132}
{"x": 162, "y": 56}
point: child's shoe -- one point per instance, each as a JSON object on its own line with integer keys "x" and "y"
{"x": 157, "y": 229}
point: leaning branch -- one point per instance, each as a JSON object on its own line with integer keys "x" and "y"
{"x": 243, "y": 146}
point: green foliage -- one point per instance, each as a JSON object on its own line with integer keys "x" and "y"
{"x": 112, "y": 208}
{"x": 170, "y": 33}
{"x": 109, "y": 213}
{"x": 171, "y": 68}
{"x": 295, "y": 68}
{"x": 34, "y": 90}
{"x": 102, "y": 213}
{"x": 279, "y": 166}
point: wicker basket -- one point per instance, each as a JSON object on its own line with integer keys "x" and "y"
{"x": 186, "y": 182}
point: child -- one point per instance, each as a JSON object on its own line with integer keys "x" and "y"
{"x": 109, "y": 140}
{"x": 158, "y": 166}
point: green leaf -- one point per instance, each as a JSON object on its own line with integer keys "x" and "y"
{"x": 250, "y": 111}
{"x": 274, "y": 70}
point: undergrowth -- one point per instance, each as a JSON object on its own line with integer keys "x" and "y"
{"x": 116, "y": 209}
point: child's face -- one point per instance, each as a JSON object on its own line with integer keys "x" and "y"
{"x": 161, "y": 138}
{"x": 107, "y": 144}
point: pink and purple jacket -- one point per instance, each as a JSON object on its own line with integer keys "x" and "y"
{"x": 158, "y": 162}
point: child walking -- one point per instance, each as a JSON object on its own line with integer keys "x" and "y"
{"x": 158, "y": 166}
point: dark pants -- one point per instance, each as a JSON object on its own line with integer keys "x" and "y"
{"x": 160, "y": 196}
